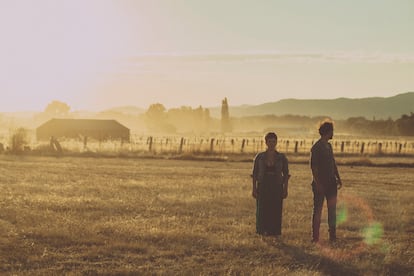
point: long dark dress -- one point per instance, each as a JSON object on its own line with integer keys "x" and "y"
{"x": 270, "y": 194}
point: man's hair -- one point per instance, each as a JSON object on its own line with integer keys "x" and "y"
{"x": 270, "y": 135}
{"x": 325, "y": 127}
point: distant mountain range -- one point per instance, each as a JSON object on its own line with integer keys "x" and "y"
{"x": 341, "y": 108}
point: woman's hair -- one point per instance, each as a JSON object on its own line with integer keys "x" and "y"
{"x": 325, "y": 127}
{"x": 270, "y": 135}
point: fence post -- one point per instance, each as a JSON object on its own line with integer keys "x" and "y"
{"x": 180, "y": 150}
{"x": 211, "y": 145}
{"x": 150, "y": 144}
{"x": 296, "y": 146}
{"x": 362, "y": 147}
{"x": 200, "y": 145}
{"x": 342, "y": 146}
{"x": 85, "y": 142}
{"x": 242, "y": 146}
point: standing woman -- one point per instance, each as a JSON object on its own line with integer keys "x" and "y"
{"x": 270, "y": 187}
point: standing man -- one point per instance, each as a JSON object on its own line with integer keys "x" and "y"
{"x": 326, "y": 181}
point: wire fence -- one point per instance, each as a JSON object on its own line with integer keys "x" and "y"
{"x": 234, "y": 145}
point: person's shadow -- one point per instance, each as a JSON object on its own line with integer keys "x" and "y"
{"x": 335, "y": 265}
{"x": 319, "y": 262}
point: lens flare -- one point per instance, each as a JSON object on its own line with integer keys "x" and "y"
{"x": 342, "y": 214}
{"x": 373, "y": 233}
{"x": 386, "y": 248}
{"x": 370, "y": 235}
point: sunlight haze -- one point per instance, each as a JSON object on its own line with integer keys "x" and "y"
{"x": 98, "y": 54}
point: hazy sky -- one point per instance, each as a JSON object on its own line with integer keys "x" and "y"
{"x": 95, "y": 54}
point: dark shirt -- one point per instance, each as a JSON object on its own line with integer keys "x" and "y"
{"x": 322, "y": 159}
{"x": 281, "y": 167}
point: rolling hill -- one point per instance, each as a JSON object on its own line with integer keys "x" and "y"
{"x": 341, "y": 108}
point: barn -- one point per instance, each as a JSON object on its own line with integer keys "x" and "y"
{"x": 77, "y": 128}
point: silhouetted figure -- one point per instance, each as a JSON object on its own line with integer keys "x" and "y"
{"x": 270, "y": 187}
{"x": 326, "y": 181}
{"x": 55, "y": 145}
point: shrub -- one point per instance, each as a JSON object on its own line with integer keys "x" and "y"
{"x": 19, "y": 140}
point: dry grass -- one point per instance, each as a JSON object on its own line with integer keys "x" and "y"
{"x": 152, "y": 216}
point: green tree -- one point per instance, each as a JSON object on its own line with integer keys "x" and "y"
{"x": 54, "y": 109}
{"x": 225, "y": 116}
{"x": 156, "y": 112}
{"x": 19, "y": 140}
{"x": 206, "y": 119}
{"x": 57, "y": 109}
{"x": 405, "y": 124}
{"x": 156, "y": 119}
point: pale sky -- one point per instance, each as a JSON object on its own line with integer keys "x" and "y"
{"x": 97, "y": 54}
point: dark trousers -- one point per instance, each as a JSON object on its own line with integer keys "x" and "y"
{"x": 269, "y": 208}
{"x": 318, "y": 199}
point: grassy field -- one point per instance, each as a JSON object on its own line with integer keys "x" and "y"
{"x": 91, "y": 216}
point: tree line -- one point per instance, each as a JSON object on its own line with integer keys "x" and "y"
{"x": 185, "y": 119}
{"x": 198, "y": 120}
{"x": 403, "y": 126}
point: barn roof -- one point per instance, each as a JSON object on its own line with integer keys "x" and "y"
{"x": 90, "y": 124}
